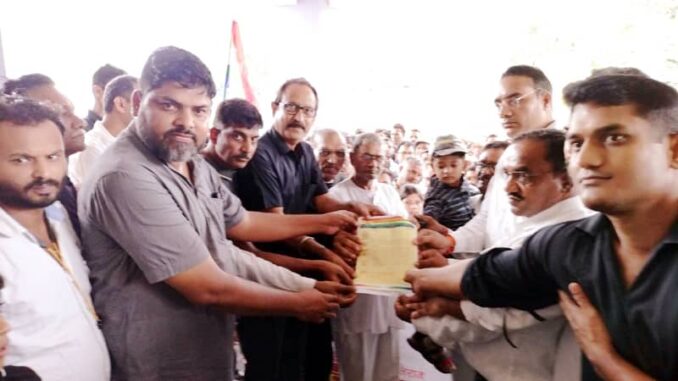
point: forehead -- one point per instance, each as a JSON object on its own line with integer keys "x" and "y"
{"x": 249, "y": 132}
{"x": 449, "y": 159}
{"x": 371, "y": 147}
{"x": 491, "y": 154}
{"x": 515, "y": 85}
{"x": 587, "y": 118}
{"x": 528, "y": 154}
{"x": 300, "y": 94}
{"x": 187, "y": 96}
{"x": 331, "y": 141}
{"x": 42, "y": 138}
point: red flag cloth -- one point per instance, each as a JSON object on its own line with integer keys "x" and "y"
{"x": 240, "y": 56}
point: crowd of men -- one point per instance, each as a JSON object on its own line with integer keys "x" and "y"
{"x": 138, "y": 243}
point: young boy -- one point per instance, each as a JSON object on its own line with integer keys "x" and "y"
{"x": 447, "y": 199}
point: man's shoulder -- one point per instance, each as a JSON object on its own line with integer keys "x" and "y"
{"x": 565, "y": 233}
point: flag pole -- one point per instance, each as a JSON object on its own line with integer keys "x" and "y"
{"x": 228, "y": 63}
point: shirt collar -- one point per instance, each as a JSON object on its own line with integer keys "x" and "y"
{"x": 596, "y": 224}
{"x": 101, "y": 130}
{"x": 281, "y": 146}
{"x": 10, "y": 228}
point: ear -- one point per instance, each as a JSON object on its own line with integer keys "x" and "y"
{"x": 565, "y": 182}
{"x": 673, "y": 150}
{"x": 97, "y": 91}
{"x": 547, "y": 100}
{"x": 120, "y": 105}
{"x": 136, "y": 102}
{"x": 274, "y": 108}
{"x": 214, "y": 134}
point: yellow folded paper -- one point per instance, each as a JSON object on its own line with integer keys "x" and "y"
{"x": 387, "y": 253}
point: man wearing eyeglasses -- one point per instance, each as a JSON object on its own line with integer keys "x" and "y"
{"x": 283, "y": 177}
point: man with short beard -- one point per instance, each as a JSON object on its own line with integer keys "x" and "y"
{"x": 155, "y": 217}
{"x": 46, "y": 297}
{"x": 41, "y": 88}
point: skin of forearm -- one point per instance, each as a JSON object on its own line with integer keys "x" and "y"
{"x": 297, "y": 265}
{"x": 446, "y": 281}
{"x": 328, "y": 204}
{"x": 268, "y": 227}
{"x": 248, "y": 298}
{"x": 612, "y": 367}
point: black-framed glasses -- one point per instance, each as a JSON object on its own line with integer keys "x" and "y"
{"x": 487, "y": 166}
{"x": 292, "y": 108}
{"x": 523, "y": 177}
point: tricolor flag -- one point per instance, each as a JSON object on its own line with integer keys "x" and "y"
{"x": 236, "y": 43}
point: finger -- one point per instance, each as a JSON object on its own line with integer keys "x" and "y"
{"x": 578, "y": 295}
{"x": 329, "y": 315}
{"x": 566, "y": 304}
{"x": 343, "y": 276}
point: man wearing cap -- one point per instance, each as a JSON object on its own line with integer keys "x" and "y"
{"x": 447, "y": 199}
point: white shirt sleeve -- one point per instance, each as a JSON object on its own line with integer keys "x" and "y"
{"x": 251, "y": 267}
{"x": 471, "y": 236}
{"x": 494, "y": 319}
{"x": 448, "y": 331}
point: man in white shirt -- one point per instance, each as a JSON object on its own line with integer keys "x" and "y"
{"x": 117, "y": 116}
{"x": 366, "y": 334}
{"x": 46, "y": 297}
{"x": 540, "y": 194}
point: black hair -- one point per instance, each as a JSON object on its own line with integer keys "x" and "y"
{"x": 25, "y": 83}
{"x": 120, "y": 86}
{"x": 296, "y": 81}
{"x": 554, "y": 143}
{"x": 653, "y": 100}
{"x": 498, "y": 144}
{"x": 409, "y": 189}
{"x": 105, "y": 74}
{"x": 172, "y": 64}
{"x": 399, "y": 126}
{"x": 238, "y": 112}
{"x": 614, "y": 70}
{"x": 27, "y": 112}
{"x": 541, "y": 82}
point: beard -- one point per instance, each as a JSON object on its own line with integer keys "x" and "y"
{"x": 171, "y": 151}
{"x": 20, "y": 198}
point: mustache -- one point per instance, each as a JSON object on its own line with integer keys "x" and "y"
{"x": 181, "y": 130}
{"x": 294, "y": 123}
{"x": 516, "y": 196}
{"x": 41, "y": 181}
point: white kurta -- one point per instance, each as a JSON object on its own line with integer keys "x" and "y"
{"x": 52, "y": 331}
{"x": 366, "y": 334}
{"x": 81, "y": 163}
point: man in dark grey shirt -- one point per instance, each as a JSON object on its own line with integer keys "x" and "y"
{"x": 614, "y": 274}
{"x": 155, "y": 217}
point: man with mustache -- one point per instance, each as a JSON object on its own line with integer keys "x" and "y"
{"x": 540, "y": 193}
{"x": 284, "y": 178}
{"x": 330, "y": 152}
{"x": 155, "y": 216}
{"x": 615, "y": 273}
{"x": 41, "y": 88}
{"x": 46, "y": 297}
{"x": 366, "y": 334}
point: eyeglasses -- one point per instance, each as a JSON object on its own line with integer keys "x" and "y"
{"x": 523, "y": 177}
{"x": 488, "y": 166}
{"x": 513, "y": 102}
{"x": 368, "y": 157}
{"x": 327, "y": 153}
{"x": 293, "y": 108}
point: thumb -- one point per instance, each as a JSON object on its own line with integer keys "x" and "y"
{"x": 579, "y": 295}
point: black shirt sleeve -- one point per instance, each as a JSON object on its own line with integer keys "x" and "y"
{"x": 516, "y": 278}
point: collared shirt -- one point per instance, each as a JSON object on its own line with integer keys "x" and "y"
{"x": 53, "y": 330}
{"x": 370, "y": 313}
{"x": 278, "y": 176}
{"x": 68, "y": 197}
{"x": 225, "y": 174}
{"x": 641, "y": 319}
{"x": 96, "y": 141}
{"x": 143, "y": 223}
{"x": 91, "y": 118}
{"x": 450, "y": 205}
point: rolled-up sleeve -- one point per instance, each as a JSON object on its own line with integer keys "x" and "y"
{"x": 140, "y": 215}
